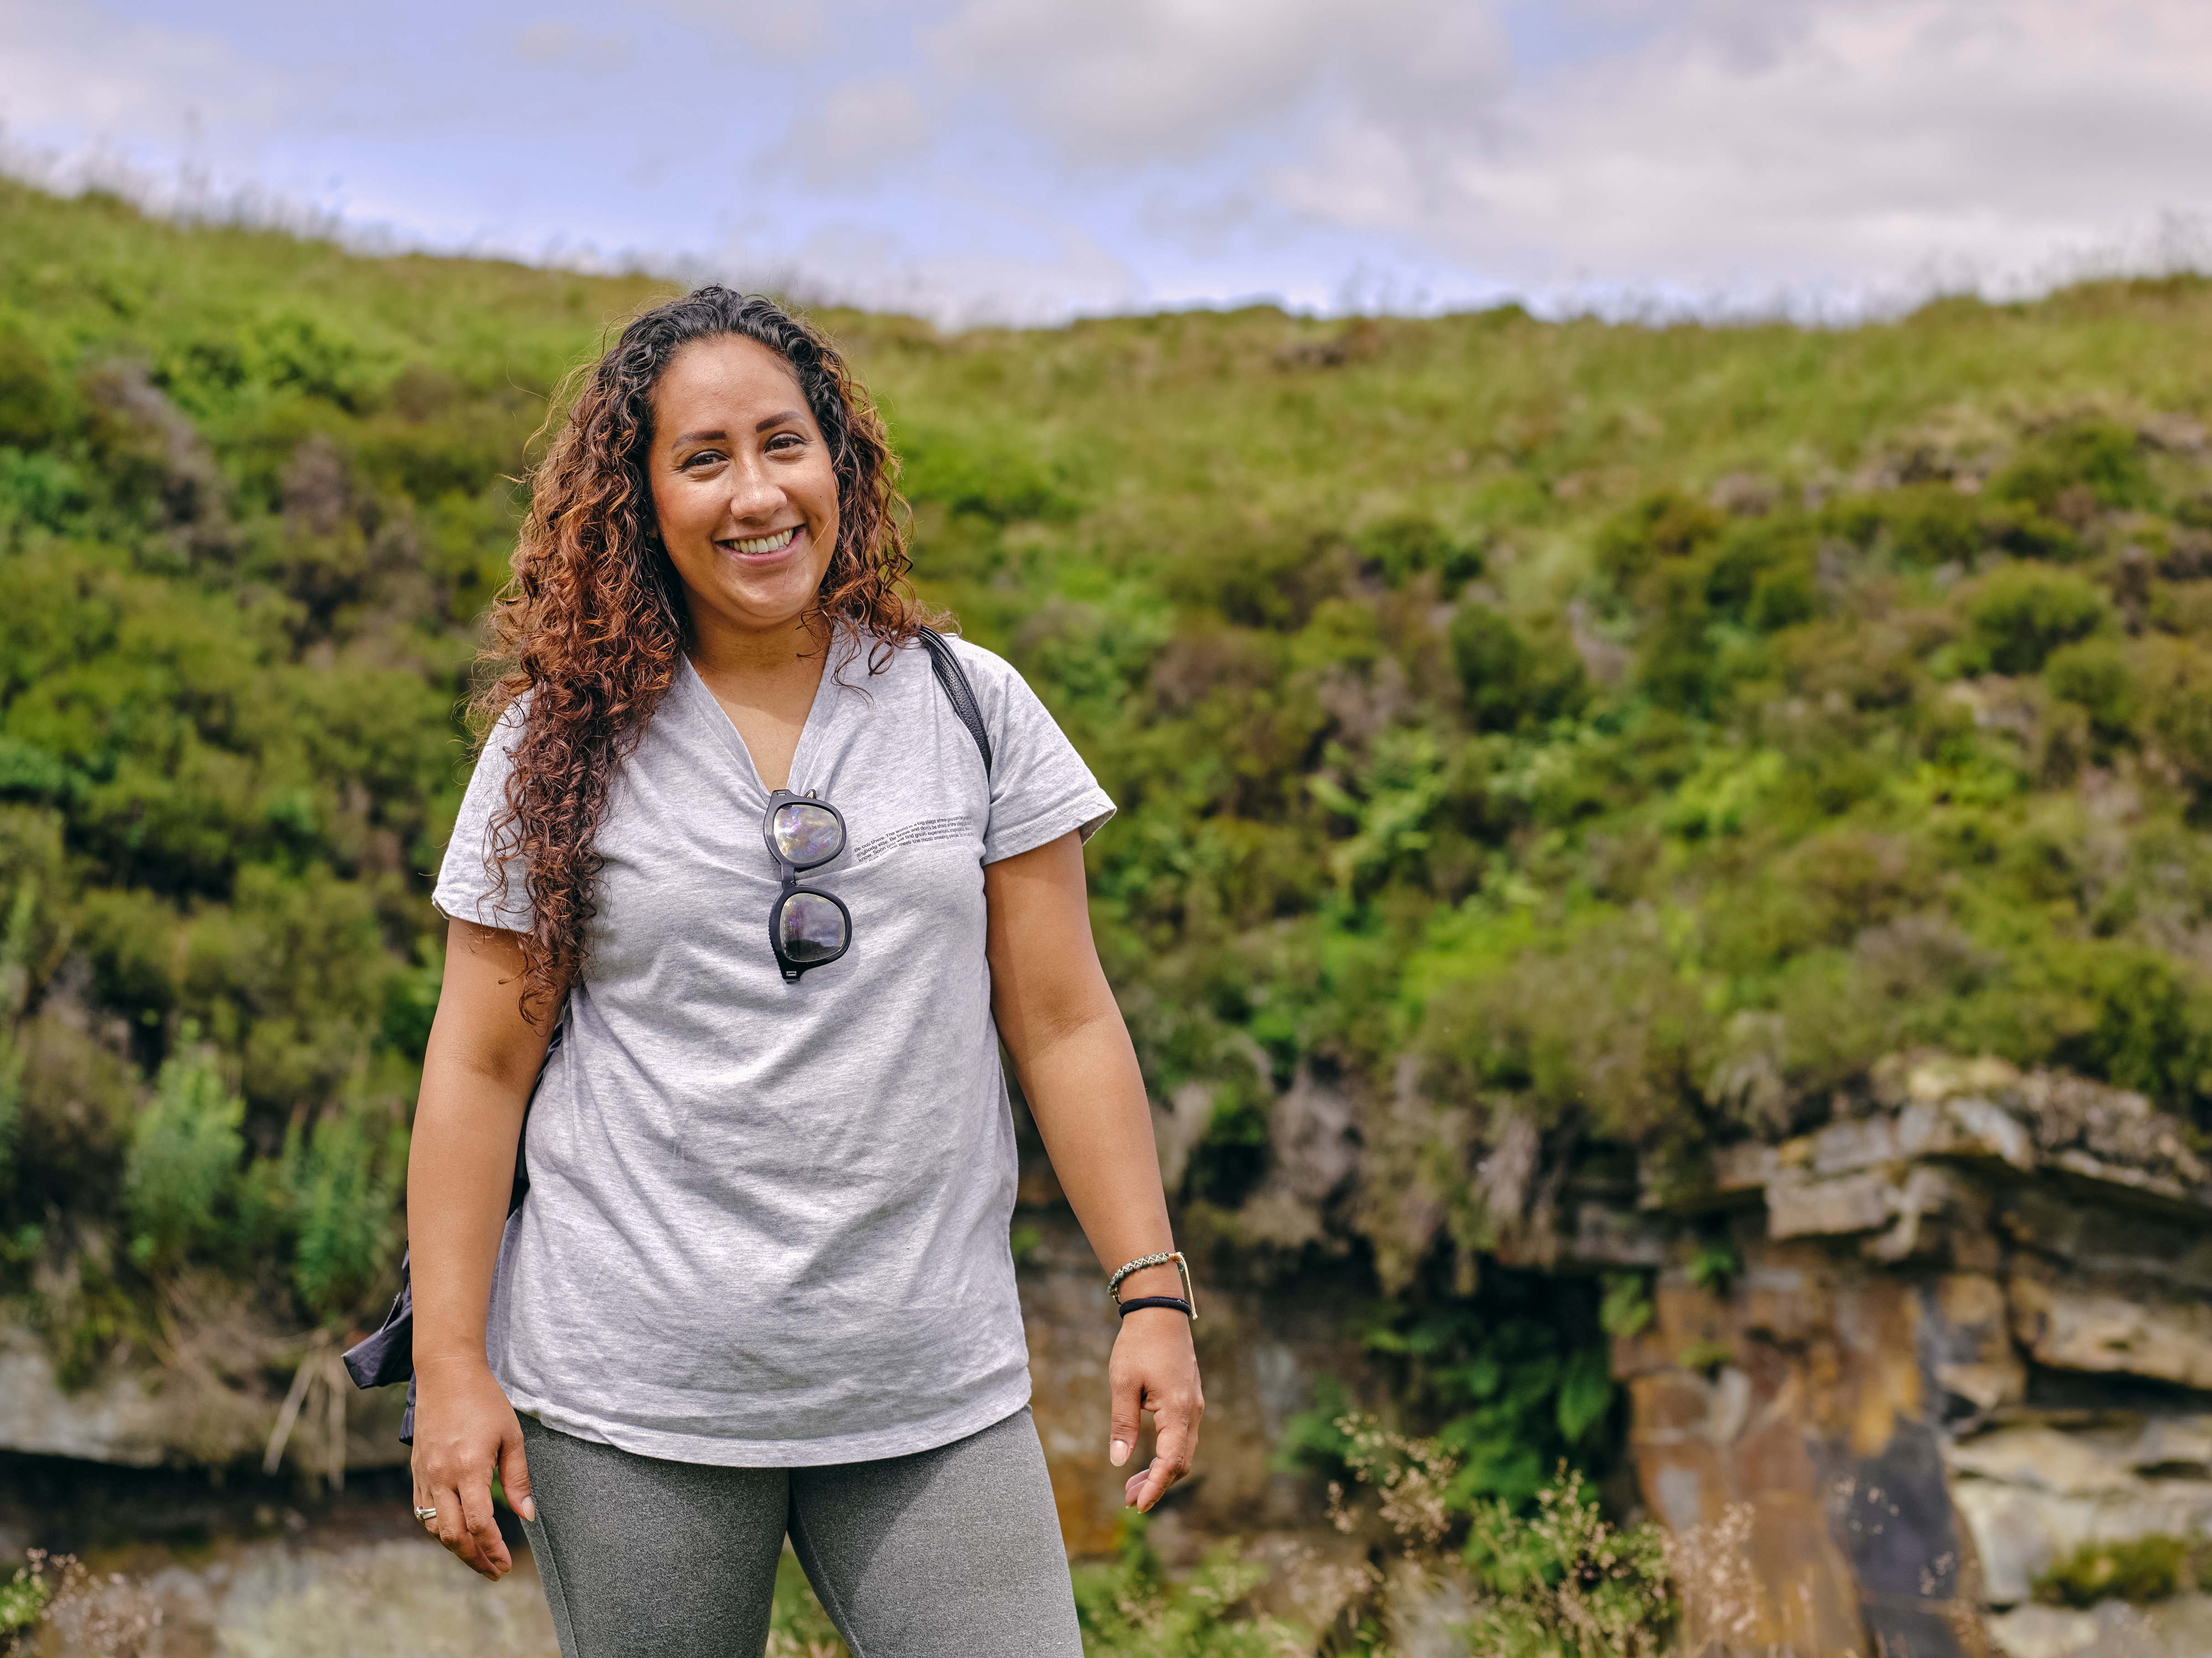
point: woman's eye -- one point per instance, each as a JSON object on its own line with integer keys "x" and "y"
{"x": 785, "y": 439}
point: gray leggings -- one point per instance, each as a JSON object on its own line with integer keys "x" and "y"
{"x": 949, "y": 1553}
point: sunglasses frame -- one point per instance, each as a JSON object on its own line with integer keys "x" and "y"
{"x": 790, "y": 873}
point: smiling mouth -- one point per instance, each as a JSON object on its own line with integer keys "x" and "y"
{"x": 771, "y": 544}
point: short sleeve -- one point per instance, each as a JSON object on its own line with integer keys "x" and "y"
{"x": 469, "y": 887}
{"x": 1040, "y": 787}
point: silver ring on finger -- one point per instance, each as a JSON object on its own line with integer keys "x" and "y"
{"x": 426, "y": 1516}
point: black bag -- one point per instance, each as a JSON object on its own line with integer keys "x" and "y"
{"x": 388, "y": 1355}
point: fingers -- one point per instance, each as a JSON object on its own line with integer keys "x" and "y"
{"x": 514, "y": 1473}
{"x": 1154, "y": 1369}
{"x": 1128, "y": 1397}
{"x": 1177, "y": 1423}
{"x": 465, "y": 1526}
{"x": 450, "y": 1527}
{"x": 491, "y": 1558}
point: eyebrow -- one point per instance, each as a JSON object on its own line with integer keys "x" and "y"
{"x": 718, "y": 435}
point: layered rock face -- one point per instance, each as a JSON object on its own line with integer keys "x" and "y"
{"x": 1967, "y": 1333}
{"x": 1935, "y": 1346}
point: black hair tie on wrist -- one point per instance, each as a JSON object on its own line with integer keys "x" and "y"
{"x": 1174, "y": 1302}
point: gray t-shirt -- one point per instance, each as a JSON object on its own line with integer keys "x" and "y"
{"x": 766, "y": 1223}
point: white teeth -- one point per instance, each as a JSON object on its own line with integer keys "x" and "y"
{"x": 773, "y": 543}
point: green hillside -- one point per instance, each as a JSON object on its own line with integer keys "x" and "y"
{"x": 1601, "y": 740}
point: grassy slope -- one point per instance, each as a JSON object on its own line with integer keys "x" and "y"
{"x": 1453, "y": 747}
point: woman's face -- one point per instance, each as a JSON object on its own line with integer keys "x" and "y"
{"x": 742, "y": 483}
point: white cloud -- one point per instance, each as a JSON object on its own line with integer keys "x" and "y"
{"x": 1039, "y": 158}
{"x": 859, "y": 265}
{"x": 1822, "y": 146}
{"x": 1146, "y": 80}
{"x": 851, "y": 135}
{"x": 82, "y": 70}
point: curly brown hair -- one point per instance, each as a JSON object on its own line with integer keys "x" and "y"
{"x": 586, "y": 634}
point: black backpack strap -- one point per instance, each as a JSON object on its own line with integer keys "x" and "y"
{"x": 959, "y": 691}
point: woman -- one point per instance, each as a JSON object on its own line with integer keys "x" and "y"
{"x": 761, "y": 1283}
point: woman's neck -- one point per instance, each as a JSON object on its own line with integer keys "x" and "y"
{"x": 722, "y": 649}
{"x": 766, "y": 682}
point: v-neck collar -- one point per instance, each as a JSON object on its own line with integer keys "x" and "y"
{"x": 725, "y": 730}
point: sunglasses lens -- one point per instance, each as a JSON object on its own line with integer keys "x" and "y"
{"x": 807, "y": 835}
{"x": 813, "y": 928}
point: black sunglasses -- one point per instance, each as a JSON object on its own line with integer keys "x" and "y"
{"x": 806, "y": 928}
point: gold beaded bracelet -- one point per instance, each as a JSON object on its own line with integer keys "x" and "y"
{"x": 1183, "y": 1266}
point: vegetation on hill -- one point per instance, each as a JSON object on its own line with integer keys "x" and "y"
{"x": 1563, "y": 744}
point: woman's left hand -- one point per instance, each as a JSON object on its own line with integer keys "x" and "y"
{"x": 1155, "y": 1368}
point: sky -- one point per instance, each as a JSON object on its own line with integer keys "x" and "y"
{"x": 1028, "y": 161}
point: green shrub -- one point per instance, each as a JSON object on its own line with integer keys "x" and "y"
{"x": 1927, "y": 525}
{"x": 2177, "y": 692}
{"x": 1411, "y": 543}
{"x": 990, "y": 478}
{"x": 2095, "y": 676}
{"x": 1665, "y": 526}
{"x": 2096, "y": 456}
{"x": 1232, "y": 1155}
{"x": 1132, "y": 1609}
{"x": 30, "y": 402}
{"x": 2022, "y": 531}
{"x": 2021, "y": 615}
{"x": 28, "y": 1595}
{"x": 1517, "y": 1376}
{"x": 1594, "y": 1019}
{"x": 1565, "y": 1583}
{"x": 2139, "y": 1571}
{"x": 181, "y": 1182}
{"x": 1508, "y": 680}
{"x": 344, "y": 1184}
{"x": 38, "y": 489}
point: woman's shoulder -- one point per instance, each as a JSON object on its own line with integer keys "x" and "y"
{"x": 907, "y": 662}
{"x": 975, "y": 660}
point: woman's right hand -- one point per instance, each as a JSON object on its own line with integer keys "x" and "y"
{"x": 464, "y": 1429}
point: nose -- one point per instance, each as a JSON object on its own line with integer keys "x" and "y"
{"x": 753, "y": 493}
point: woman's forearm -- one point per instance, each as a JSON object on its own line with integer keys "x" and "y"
{"x": 1060, "y": 1023}
{"x": 1088, "y": 1098}
{"x": 481, "y": 1063}
{"x": 460, "y": 1171}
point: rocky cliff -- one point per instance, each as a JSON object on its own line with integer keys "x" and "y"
{"x": 1936, "y": 1345}
{"x": 1968, "y": 1333}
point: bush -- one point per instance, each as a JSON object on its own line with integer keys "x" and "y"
{"x": 25, "y": 1597}
{"x": 1508, "y": 681}
{"x": 38, "y": 489}
{"x": 1564, "y": 1583}
{"x": 1550, "y": 1578}
{"x": 181, "y": 1181}
{"x": 1595, "y": 1020}
{"x": 1404, "y": 547}
{"x": 345, "y": 1183}
{"x": 1132, "y": 1609}
{"x": 1927, "y": 525}
{"x": 30, "y": 404}
{"x": 2140, "y": 1571}
{"x": 2177, "y": 693}
{"x": 1666, "y": 525}
{"x": 2096, "y": 457}
{"x": 2021, "y": 615}
{"x": 2094, "y": 674}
